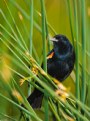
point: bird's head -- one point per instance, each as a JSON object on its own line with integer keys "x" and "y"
{"x": 62, "y": 46}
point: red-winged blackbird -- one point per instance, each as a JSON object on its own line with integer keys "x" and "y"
{"x": 60, "y": 63}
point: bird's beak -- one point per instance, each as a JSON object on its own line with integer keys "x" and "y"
{"x": 54, "y": 39}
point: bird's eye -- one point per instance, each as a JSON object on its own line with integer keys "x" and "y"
{"x": 57, "y": 37}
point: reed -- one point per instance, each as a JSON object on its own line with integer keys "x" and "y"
{"x": 16, "y": 57}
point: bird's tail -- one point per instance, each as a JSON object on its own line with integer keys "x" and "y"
{"x": 35, "y": 99}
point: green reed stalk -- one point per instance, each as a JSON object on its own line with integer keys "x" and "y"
{"x": 48, "y": 24}
{"x": 31, "y": 25}
{"x": 52, "y": 106}
{"x": 83, "y": 16}
{"x": 77, "y": 52}
{"x": 88, "y": 60}
{"x": 31, "y": 37}
{"x": 44, "y": 35}
{"x": 44, "y": 53}
{"x": 16, "y": 26}
{"x": 27, "y": 35}
{"x": 20, "y": 107}
{"x": 70, "y": 20}
{"x": 47, "y": 36}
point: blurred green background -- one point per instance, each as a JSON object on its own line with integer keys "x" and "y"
{"x": 58, "y": 17}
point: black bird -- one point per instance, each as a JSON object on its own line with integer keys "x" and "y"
{"x": 60, "y": 63}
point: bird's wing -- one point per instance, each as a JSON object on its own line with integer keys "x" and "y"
{"x": 57, "y": 69}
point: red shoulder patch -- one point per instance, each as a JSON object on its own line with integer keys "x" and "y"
{"x": 50, "y": 56}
